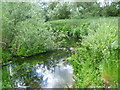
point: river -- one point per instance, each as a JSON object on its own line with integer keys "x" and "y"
{"x": 47, "y": 70}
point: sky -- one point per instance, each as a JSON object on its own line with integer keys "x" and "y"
{"x": 101, "y": 1}
{"x": 57, "y": 0}
{"x": 77, "y": 0}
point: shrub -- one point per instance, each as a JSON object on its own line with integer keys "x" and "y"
{"x": 31, "y": 38}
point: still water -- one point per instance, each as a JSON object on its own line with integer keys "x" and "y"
{"x": 47, "y": 70}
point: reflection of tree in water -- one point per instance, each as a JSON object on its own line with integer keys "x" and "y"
{"x": 26, "y": 77}
{"x": 24, "y": 71}
{"x": 54, "y": 59}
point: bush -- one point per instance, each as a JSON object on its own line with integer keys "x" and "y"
{"x": 31, "y": 38}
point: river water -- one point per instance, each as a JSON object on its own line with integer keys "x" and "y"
{"x": 47, "y": 70}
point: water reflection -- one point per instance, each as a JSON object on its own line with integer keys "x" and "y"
{"x": 47, "y": 71}
{"x": 55, "y": 77}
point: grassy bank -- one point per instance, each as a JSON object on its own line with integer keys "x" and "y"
{"x": 95, "y": 63}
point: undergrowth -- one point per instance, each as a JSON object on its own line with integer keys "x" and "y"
{"x": 95, "y": 63}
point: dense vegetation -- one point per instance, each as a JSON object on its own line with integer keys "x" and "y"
{"x": 30, "y": 28}
{"x": 96, "y": 61}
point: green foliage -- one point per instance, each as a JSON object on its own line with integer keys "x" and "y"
{"x": 78, "y": 10}
{"x": 5, "y": 55}
{"x": 111, "y": 10}
{"x": 71, "y": 28}
{"x": 95, "y": 63}
{"x": 5, "y": 78}
{"x": 84, "y": 9}
{"x": 60, "y": 11}
{"x": 24, "y": 32}
{"x": 12, "y": 13}
{"x": 31, "y": 38}
{"x": 81, "y": 30}
{"x": 110, "y": 72}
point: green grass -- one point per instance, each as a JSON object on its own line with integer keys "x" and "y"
{"x": 95, "y": 63}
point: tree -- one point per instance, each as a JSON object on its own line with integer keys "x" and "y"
{"x": 12, "y": 13}
{"x": 58, "y": 10}
{"x": 84, "y": 9}
{"x": 112, "y": 9}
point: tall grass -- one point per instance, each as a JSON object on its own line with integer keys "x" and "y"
{"x": 96, "y": 62}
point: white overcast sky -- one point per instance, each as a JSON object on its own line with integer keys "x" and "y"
{"x": 78, "y": 0}
{"x": 57, "y": 0}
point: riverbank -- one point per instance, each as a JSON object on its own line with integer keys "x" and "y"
{"x": 95, "y": 61}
